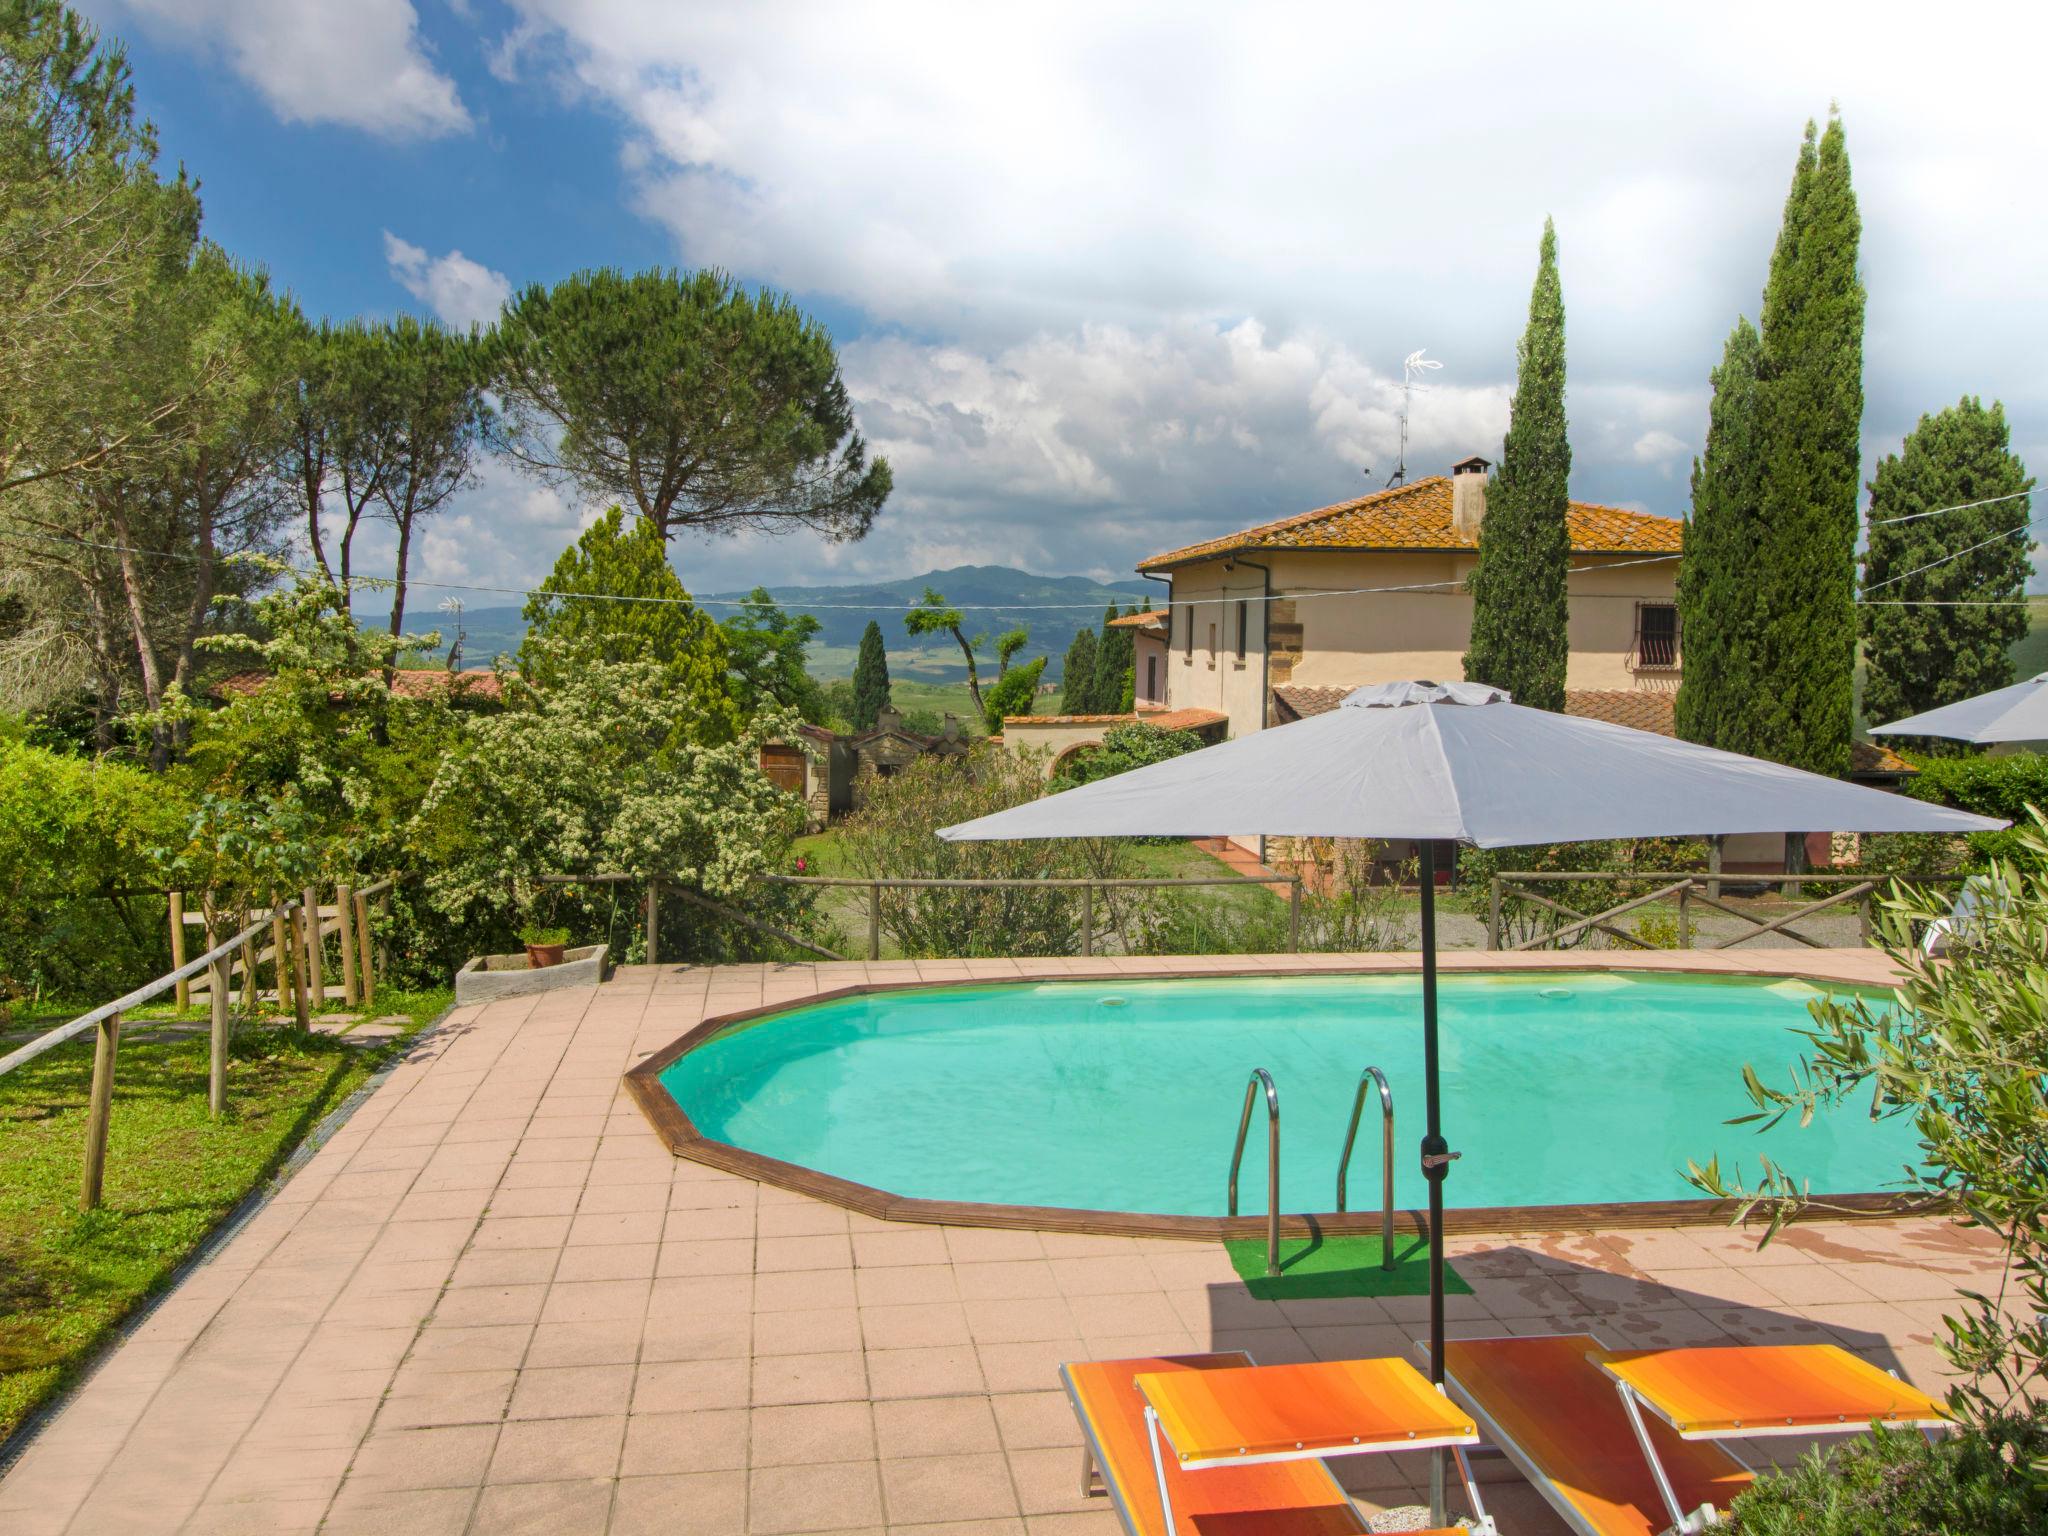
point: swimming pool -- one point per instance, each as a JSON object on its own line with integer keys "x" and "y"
{"x": 1123, "y": 1095}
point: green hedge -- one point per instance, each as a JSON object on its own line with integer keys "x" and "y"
{"x": 1990, "y": 786}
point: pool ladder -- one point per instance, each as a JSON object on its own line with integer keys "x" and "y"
{"x": 1371, "y": 1076}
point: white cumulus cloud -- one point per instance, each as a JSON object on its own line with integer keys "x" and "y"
{"x": 358, "y": 63}
{"x": 459, "y": 291}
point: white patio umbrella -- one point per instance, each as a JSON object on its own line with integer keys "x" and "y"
{"x": 1458, "y": 762}
{"x": 2018, "y": 713}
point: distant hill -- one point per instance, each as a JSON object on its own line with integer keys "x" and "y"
{"x": 992, "y": 599}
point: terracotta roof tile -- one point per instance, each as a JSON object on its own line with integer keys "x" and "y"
{"x": 1165, "y": 719}
{"x": 1418, "y": 516}
{"x": 1640, "y": 709}
{"x": 1141, "y": 620}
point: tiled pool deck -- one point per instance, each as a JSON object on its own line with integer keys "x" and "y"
{"x": 494, "y": 1303}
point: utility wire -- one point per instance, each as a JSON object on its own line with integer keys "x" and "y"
{"x": 1957, "y": 555}
{"x": 1963, "y": 506}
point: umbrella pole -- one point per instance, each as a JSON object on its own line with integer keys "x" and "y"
{"x": 1435, "y": 1159}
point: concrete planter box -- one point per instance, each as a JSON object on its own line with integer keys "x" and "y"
{"x": 489, "y": 977}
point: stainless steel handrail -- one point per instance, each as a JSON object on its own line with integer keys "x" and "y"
{"x": 1244, "y": 1121}
{"x": 1374, "y": 1075}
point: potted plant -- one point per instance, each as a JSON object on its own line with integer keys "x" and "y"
{"x": 544, "y": 946}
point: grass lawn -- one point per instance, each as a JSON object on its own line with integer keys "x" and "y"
{"x": 67, "y": 1279}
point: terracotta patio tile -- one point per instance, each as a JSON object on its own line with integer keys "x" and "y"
{"x": 572, "y": 1391}
{"x": 904, "y": 1285}
{"x": 1900, "y": 1282}
{"x": 611, "y": 1342}
{"x": 833, "y": 1377}
{"x": 579, "y": 1508}
{"x": 360, "y": 1511}
{"x": 1035, "y": 1420}
{"x": 1019, "y": 1321}
{"x": 688, "y": 1336}
{"x": 919, "y": 1325}
{"x": 1048, "y": 1482}
{"x": 680, "y": 1386}
{"x": 489, "y": 1304}
{"x": 449, "y": 1397}
{"x": 1717, "y": 1286}
{"x": 548, "y": 1450}
{"x": 1004, "y": 1279}
{"x": 703, "y": 1295}
{"x": 934, "y": 1426}
{"x": 800, "y": 1434}
{"x": 935, "y": 1371}
{"x": 706, "y": 1256}
{"x": 1028, "y": 1367}
{"x": 832, "y": 1496}
{"x": 906, "y": 1245}
{"x": 446, "y": 1348}
{"x": 1803, "y": 1285}
{"x": 708, "y": 1440}
{"x": 727, "y": 1221}
{"x": 608, "y": 1261}
{"x": 692, "y": 1504}
{"x": 975, "y": 1245}
{"x": 593, "y": 1301}
{"x": 929, "y": 1488}
{"x": 425, "y": 1458}
{"x": 520, "y": 1232}
{"x": 807, "y": 1218}
{"x": 826, "y": 1250}
{"x": 1105, "y": 1274}
{"x": 506, "y": 1266}
{"x": 818, "y": 1331}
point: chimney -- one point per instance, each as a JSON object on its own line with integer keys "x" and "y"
{"x": 1468, "y": 496}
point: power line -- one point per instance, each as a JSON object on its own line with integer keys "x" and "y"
{"x": 1961, "y": 506}
{"x": 1945, "y": 559}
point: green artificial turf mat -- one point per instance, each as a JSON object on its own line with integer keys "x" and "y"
{"x": 1318, "y": 1265}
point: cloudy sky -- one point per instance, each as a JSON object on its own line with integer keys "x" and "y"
{"x": 1109, "y": 278}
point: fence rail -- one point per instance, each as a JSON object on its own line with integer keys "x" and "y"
{"x": 291, "y": 959}
{"x": 1087, "y": 888}
{"x": 1685, "y": 888}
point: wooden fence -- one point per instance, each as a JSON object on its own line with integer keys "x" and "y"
{"x": 297, "y": 927}
{"x": 1684, "y": 890}
{"x": 654, "y": 885}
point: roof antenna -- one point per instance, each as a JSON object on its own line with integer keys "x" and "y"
{"x": 1411, "y": 365}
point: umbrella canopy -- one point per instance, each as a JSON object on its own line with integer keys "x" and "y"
{"x": 1458, "y": 761}
{"x": 2018, "y": 713}
{"x": 1461, "y": 762}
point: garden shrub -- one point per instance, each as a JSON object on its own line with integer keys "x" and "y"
{"x": 2003, "y": 786}
{"x": 1960, "y": 1049}
{"x": 1895, "y": 1483}
{"x": 79, "y": 839}
{"x": 893, "y": 835}
{"x": 1123, "y": 748}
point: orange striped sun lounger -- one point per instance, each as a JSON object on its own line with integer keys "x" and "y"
{"x": 1569, "y": 1414}
{"x": 1212, "y": 1445}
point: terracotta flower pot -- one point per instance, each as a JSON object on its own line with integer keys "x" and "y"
{"x": 539, "y": 955}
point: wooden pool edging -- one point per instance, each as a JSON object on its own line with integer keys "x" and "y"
{"x": 680, "y": 1134}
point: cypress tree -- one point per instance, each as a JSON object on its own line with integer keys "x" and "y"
{"x": 1519, "y": 606}
{"x": 1717, "y": 574}
{"x": 1077, "y": 674}
{"x": 1810, "y": 412}
{"x": 870, "y": 678}
{"x": 1922, "y": 657}
{"x": 1114, "y": 652}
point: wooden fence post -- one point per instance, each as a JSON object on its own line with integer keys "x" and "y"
{"x": 217, "y": 1042}
{"x": 1294, "y": 915}
{"x": 1087, "y": 920}
{"x": 1714, "y": 869}
{"x": 345, "y": 920}
{"x": 874, "y": 919}
{"x": 249, "y": 951}
{"x": 280, "y": 951}
{"x": 1493, "y": 913}
{"x": 316, "y": 968}
{"x": 1685, "y": 916}
{"x": 653, "y": 921}
{"x": 301, "y": 1006}
{"x": 99, "y": 1110}
{"x": 184, "y": 994}
{"x": 368, "y": 972}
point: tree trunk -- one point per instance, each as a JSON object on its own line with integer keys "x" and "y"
{"x": 138, "y": 623}
{"x": 398, "y": 584}
{"x": 973, "y": 678}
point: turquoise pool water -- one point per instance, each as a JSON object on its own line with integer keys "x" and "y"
{"x": 1557, "y": 1088}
